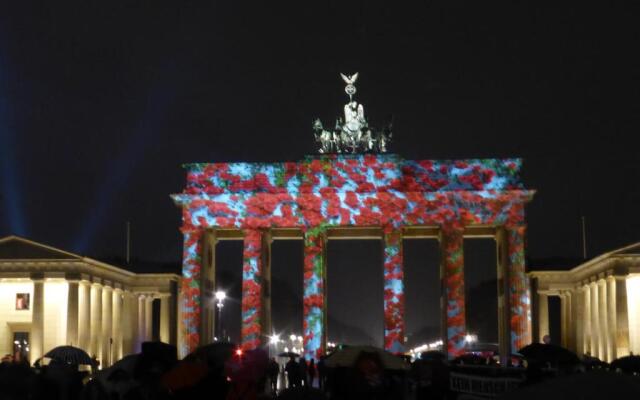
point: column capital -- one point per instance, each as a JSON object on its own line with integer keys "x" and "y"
{"x": 37, "y": 276}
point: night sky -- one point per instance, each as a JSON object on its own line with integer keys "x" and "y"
{"x": 101, "y": 103}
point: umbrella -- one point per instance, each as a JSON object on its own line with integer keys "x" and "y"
{"x": 69, "y": 355}
{"x": 348, "y": 356}
{"x": 628, "y": 364}
{"x": 215, "y": 354}
{"x": 550, "y": 353}
{"x": 289, "y": 354}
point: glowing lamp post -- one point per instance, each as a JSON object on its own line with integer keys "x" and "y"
{"x": 220, "y": 296}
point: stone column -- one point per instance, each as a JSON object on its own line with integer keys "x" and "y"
{"x": 622, "y": 317}
{"x": 129, "y": 323}
{"x": 72, "y": 313}
{"x": 142, "y": 322}
{"x": 611, "y": 317}
{"x": 164, "y": 319}
{"x": 595, "y": 320}
{"x": 393, "y": 292}
{"x": 84, "y": 317}
{"x": 252, "y": 308}
{"x": 96, "y": 322}
{"x": 579, "y": 326}
{"x": 107, "y": 315}
{"x": 36, "y": 346}
{"x": 148, "y": 318}
{"x": 190, "y": 304}
{"x": 173, "y": 314}
{"x": 452, "y": 300}
{"x": 314, "y": 288}
{"x": 519, "y": 301}
{"x": 207, "y": 288}
{"x": 543, "y": 316}
{"x": 564, "y": 320}
{"x": 266, "y": 284}
{"x": 116, "y": 331}
{"x": 603, "y": 343}
{"x": 588, "y": 328}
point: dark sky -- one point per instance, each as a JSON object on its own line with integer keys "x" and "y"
{"x": 101, "y": 103}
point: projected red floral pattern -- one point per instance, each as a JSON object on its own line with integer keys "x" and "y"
{"x": 346, "y": 190}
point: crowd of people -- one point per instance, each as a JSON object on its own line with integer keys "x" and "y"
{"x": 223, "y": 371}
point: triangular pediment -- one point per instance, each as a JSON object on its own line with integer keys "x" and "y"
{"x": 17, "y": 248}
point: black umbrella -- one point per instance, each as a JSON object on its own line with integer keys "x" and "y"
{"x": 550, "y": 353}
{"x": 288, "y": 354}
{"x": 215, "y": 354}
{"x": 628, "y": 364}
{"x": 69, "y": 355}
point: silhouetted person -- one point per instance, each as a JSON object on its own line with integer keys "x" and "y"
{"x": 303, "y": 371}
{"x": 322, "y": 373}
{"x": 273, "y": 370}
{"x": 292, "y": 368}
{"x": 311, "y": 371}
{"x": 546, "y": 339}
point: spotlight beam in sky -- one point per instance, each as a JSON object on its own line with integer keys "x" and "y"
{"x": 9, "y": 181}
{"x": 119, "y": 171}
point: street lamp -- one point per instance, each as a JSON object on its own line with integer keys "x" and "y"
{"x": 220, "y": 296}
{"x": 469, "y": 338}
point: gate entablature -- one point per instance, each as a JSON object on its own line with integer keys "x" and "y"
{"x": 333, "y": 192}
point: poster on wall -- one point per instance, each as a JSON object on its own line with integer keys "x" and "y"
{"x": 22, "y": 301}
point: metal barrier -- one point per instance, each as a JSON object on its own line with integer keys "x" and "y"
{"x": 482, "y": 386}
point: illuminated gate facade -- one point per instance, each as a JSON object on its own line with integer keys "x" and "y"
{"x": 352, "y": 196}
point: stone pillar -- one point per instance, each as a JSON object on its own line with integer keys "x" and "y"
{"x": 96, "y": 321}
{"x": 129, "y": 323}
{"x": 393, "y": 292}
{"x": 578, "y": 320}
{"x": 72, "y": 313}
{"x": 252, "y": 308}
{"x": 518, "y": 296}
{"x": 595, "y": 320}
{"x": 164, "y": 319}
{"x": 452, "y": 301}
{"x": 314, "y": 289}
{"x": 588, "y": 328}
{"x": 142, "y": 322}
{"x": 36, "y": 346}
{"x": 107, "y": 315}
{"x": 116, "y": 331}
{"x": 266, "y": 284}
{"x": 207, "y": 288}
{"x": 190, "y": 304}
{"x": 603, "y": 343}
{"x": 84, "y": 317}
{"x": 565, "y": 319}
{"x": 148, "y": 318}
{"x": 622, "y": 317}
{"x": 173, "y": 314}
{"x": 543, "y": 316}
{"x": 611, "y": 317}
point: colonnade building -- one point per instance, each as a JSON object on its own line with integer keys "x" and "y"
{"x": 50, "y": 297}
{"x": 599, "y": 304}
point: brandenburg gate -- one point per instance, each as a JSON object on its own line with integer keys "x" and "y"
{"x": 352, "y": 190}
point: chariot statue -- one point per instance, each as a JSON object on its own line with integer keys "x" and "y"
{"x": 353, "y": 134}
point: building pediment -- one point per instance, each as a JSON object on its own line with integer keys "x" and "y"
{"x": 17, "y": 248}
